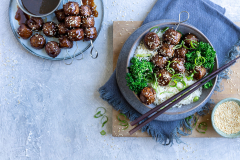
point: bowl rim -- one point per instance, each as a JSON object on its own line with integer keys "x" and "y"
{"x": 221, "y": 133}
{"x": 33, "y": 15}
{"x": 186, "y": 25}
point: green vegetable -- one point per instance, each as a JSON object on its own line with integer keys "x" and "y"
{"x": 103, "y": 132}
{"x": 143, "y": 55}
{"x": 202, "y": 126}
{"x": 155, "y": 28}
{"x": 189, "y": 118}
{"x": 190, "y": 77}
{"x": 207, "y": 85}
{"x": 123, "y": 122}
{"x": 206, "y": 51}
{"x": 103, "y": 123}
{"x": 195, "y": 99}
{"x": 140, "y": 73}
{"x": 165, "y": 29}
{"x": 175, "y": 79}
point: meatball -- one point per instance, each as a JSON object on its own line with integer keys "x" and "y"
{"x": 64, "y": 42}
{"x": 52, "y": 49}
{"x": 60, "y": 15}
{"x": 201, "y": 72}
{"x": 37, "y": 41}
{"x": 178, "y": 65}
{"x": 76, "y": 34}
{"x": 164, "y": 77}
{"x": 24, "y": 31}
{"x": 85, "y": 11}
{"x": 90, "y": 33}
{"x": 88, "y": 22}
{"x": 188, "y": 38}
{"x": 181, "y": 53}
{"x": 62, "y": 29}
{"x": 50, "y": 29}
{"x": 147, "y": 95}
{"x": 35, "y": 23}
{"x": 71, "y": 8}
{"x": 73, "y": 22}
{"x": 172, "y": 37}
{"x": 151, "y": 41}
{"x": 166, "y": 50}
{"x": 159, "y": 61}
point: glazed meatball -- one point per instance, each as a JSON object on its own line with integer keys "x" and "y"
{"x": 76, "y": 34}
{"x": 90, "y": 33}
{"x": 147, "y": 95}
{"x": 64, "y": 42}
{"x": 164, "y": 77}
{"x": 172, "y": 37}
{"x": 50, "y": 29}
{"x": 188, "y": 38}
{"x": 178, "y": 65}
{"x": 201, "y": 72}
{"x": 85, "y": 11}
{"x": 60, "y": 15}
{"x": 35, "y": 23}
{"x": 37, "y": 41}
{"x": 166, "y": 50}
{"x": 24, "y": 31}
{"x": 71, "y": 8}
{"x": 151, "y": 41}
{"x": 181, "y": 53}
{"x": 159, "y": 61}
{"x": 73, "y": 22}
{"x": 62, "y": 29}
{"x": 88, "y": 22}
{"x": 52, "y": 49}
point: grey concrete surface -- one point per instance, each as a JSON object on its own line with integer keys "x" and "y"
{"x": 47, "y": 108}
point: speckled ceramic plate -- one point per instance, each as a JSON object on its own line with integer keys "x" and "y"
{"x": 82, "y": 46}
{"x": 127, "y": 53}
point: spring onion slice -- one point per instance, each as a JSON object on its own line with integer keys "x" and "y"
{"x": 99, "y": 113}
{"x": 103, "y": 123}
{"x": 165, "y": 29}
{"x": 165, "y": 92}
{"x": 154, "y": 28}
{"x": 143, "y": 55}
{"x": 103, "y": 133}
{"x": 202, "y": 126}
{"x": 123, "y": 122}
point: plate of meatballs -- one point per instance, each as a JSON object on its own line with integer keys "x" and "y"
{"x": 65, "y": 34}
{"x": 158, "y": 61}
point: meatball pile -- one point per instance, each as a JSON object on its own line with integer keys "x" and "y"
{"x": 76, "y": 23}
{"x": 168, "y": 56}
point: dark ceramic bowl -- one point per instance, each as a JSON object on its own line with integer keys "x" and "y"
{"x": 127, "y": 53}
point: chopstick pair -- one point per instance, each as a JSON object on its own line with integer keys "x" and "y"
{"x": 177, "y": 98}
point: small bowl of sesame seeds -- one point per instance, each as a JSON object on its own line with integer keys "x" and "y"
{"x": 226, "y": 118}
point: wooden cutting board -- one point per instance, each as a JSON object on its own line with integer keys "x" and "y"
{"x": 121, "y": 31}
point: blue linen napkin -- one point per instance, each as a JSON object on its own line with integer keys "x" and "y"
{"x": 222, "y": 33}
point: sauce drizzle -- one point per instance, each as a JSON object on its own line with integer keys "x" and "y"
{"x": 21, "y": 17}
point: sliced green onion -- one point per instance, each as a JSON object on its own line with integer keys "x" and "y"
{"x": 123, "y": 122}
{"x": 175, "y": 83}
{"x": 165, "y": 29}
{"x": 184, "y": 85}
{"x": 103, "y": 123}
{"x": 165, "y": 92}
{"x": 98, "y": 114}
{"x": 103, "y": 133}
{"x": 202, "y": 126}
{"x": 143, "y": 55}
{"x": 155, "y": 28}
{"x": 195, "y": 99}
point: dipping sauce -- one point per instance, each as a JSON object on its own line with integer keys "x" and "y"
{"x": 21, "y": 17}
{"x": 92, "y": 5}
{"x": 227, "y": 117}
{"x": 40, "y": 7}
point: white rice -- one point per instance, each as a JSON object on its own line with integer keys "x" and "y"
{"x": 166, "y": 92}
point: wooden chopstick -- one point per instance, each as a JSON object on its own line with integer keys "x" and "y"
{"x": 197, "y": 85}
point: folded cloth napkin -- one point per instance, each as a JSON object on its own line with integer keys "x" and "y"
{"x": 208, "y": 18}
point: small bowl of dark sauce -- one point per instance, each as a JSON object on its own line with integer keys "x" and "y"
{"x": 38, "y": 8}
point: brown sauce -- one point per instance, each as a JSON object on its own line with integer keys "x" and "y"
{"x": 21, "y": 17}
{"x": 40, "y": 7}
{"x": 92, "y": 5}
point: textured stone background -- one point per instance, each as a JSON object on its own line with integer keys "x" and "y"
{"x": 46, "y": 108}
